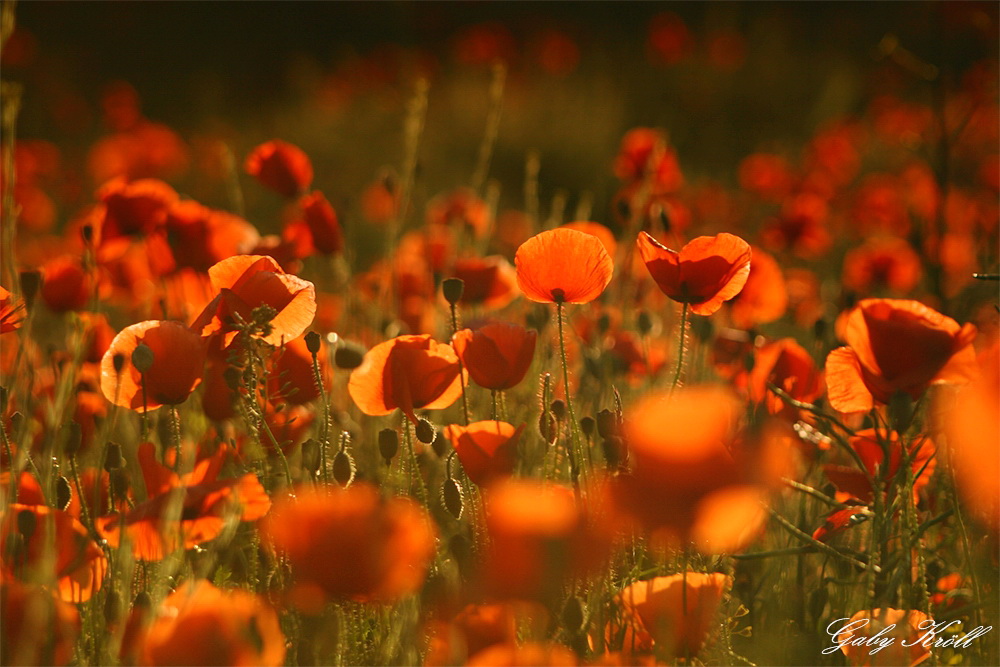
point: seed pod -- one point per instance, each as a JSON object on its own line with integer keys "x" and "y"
{"x": 16, "y": 422}
{"x": 312, "y": 342}
{"x": 644, "y": 322}
{"x": 587, "y": 425}
{"x": 573, "y": 614}
{"x": 558, "y": 408}
{"x": 112, "y": 608}
{"x": 143, "y": 602}
{"x": 612, "y": 448}
{"x": 343, "y": 468}
{"x": 548, "y": 428}
{"x": 118, "y": 362}
{"x": 453, "y": 289}
{"x": 440, "y": 444}
{"x": 113, "y": 459}
{"x": 64, "y": 493}
{"x": 451, "y": 494}
{"x": 310, "y": 455}
{"x": 607, "y": 424}
{"x": 26, "y": 523}
{"x": 425, "y": 431}
{"x": 142, "y": 357}
{"x": 388, "y": 444}
{"x": 348, "y": 356}
{"x": 118, "y": 485}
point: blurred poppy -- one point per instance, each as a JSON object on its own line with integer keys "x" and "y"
{"x": 669, "y": 40}
{"x": 903, "y": 631}
{"x": 563, "y": 266}
{"x": 800, "y": 227}
{"x": 246, "y": 282}
{"x": 202, "y": 501}
{"x": 146, "y": 150}
{"x": 11, "y": 312}
{"x": 487, "y": 449}
{"x": 490, "y": 282}
{"x": 838, "y": 521}
{"x": 200, "y": 237}
{"x": 134, "y": 207}
{"x": 178, "y": 360}
{"x": 513, "y": 654}
{"x": 496, "y": 355}
{"x": 767, "y": 175}
{"x": 644, "y": 153}
{"x": 66, "y": 284}
{"x": 479, "y": 626}
{"x": 785, "y": 364}
{"x": 280, "y": 166}
{"x": 764, "y": 297}
{"x": 463, "y": 208}
{"x": 706, "y": 272}
{"x": 853, "y": 484}
{"x": 679, "y": 610}
{"x": 318, "y": 225}
{"x": 199, "y": 624}
{"x": 36, "y": 627}
{"x": 380, "y": 203}
{"x": 595, "y": 229}
{"x": 58, "y": 541}
{"x": 291, "y": 378}
{"x": 896, "y": 346}
{"x": 409, "y": 373}
{"x": 883, "y": 262}
{"x": 351, "y": 543}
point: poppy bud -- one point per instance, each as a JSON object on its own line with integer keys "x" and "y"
{"x": 112, "y": 608}
{"x": 547, "y": 427}
{"x": 702, "y": 328}
{"x": 31, "y": 282}
{"x": 558, "y": 408}
{"x": 26, "y": 523}
{"x": 64, "y": 493}
{"x": 607, "y": 424}
{"x": 587, "y": 425}
{"x": 425, "y": 431}
{"x": 644, "y": 322}
{"x": 310, "y": 455}
{"x": 74, "y": 438}
{"x": 233, "y": 377}
{"x": 343, "y": 468}
{"x": 87, "y": 234}
{"x": 453, "y": 288}
{"x": 113, "y": 459}
{"x": 118, "y": 485}
{"x": 312, "y": 342}
{"x": 573, "y": 614}
{"x": 142, "y": 602}
{"x": 612, "y": 448}
{"x": 142, "y": 357}
{"x": 440, "y": 445}
{"x": 348, "y": 356}
{"x": 388, "y": 444}
{"x": 451, "y": 493}
{"x": 118, "y": 362}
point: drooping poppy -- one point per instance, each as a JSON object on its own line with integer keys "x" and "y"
{"x": 907, "y": 630}
{"x": 409, "y": 373}
{"x": 246, "y": 282}
{"x": 679, "y": 610}
{"x": 706, "y": 272}
{"x": 894, "y": 346}
{"x": 199, "y": 624}
{"x": 563, "y": 266}
{"x": 645, "y": 154}
{"x": 11, "y": 312}
{"x": 178, "y": 361}
{"x": 36, "y": 626}
{"x": 280, "y": 166}
{"x": 487, "y": 449}
{"x": 489, "y": 281}
{"x": 497, "y": 355}
{"x": 351, "y": 544}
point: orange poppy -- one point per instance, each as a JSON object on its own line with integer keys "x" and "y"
{"x": 487, "y": 449}
{"x": 479, "y": 626}
{"x": 676, "y": 618}
{"x": 280, "y": 166}
{"x": 644, "y": 153}
{"x": 461, "y": 207}
{"x": 409, "y": 373}
{"x": 764, "y": 297}
{"x": 882, "y": 262}
{"x": 200, "y": 237}
{"x": 896, "y": 345}
{"x": 205, "y": 504}
{"x": 563, "y": 266}
{"x": 246, "y": 282}
{"x": 852, "y": 484}
{"x": 36, "y": 627}
{"x": 11, "y": 312}
{"x": 351, "y": 543}
{"x": 66, "y": 284}
{"x": 785, "y": 364}
{"x": 497, "y": 355}
{"x": 490, "y": 281}
{"x": 513, "y": 654}
{"x": 79, "y": 565}
{"x": 291, "y": 378}
{"x": 595, "y": 229}
{"x": 905, "y": 629}
{"x": 134, "y": 207}
{"x": 177, "y": 366}
{"x": 706, "y": 272}
{"x": 199, "y": 624}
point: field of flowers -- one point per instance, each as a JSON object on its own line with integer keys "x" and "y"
{"x": 501, "y": 334}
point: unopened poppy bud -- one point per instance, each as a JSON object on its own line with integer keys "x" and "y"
{"x": 118, "y": 362}
{"x": 74, "y": 438}
{"x": 142, "y": 357}
{"x": 573, "y": 614}
{"x": 425, "y": 431}
{"x": 64, "y": 493}
{"x": 31, "y": 282}
{"x": 587, "y": 425}
{"x": 142, "y": 602}
{"x": 440, "y": 445}
{"x": 343, "y": 468}
{"x": 644, "y": 322}
{"x": 310, "y": 455}
{"x": 453, "y": 289}
{"x": 451, "y": 494}
{"x": 547, "y": 427}
{"x": 348, "y": 356}
{"x": 112, "y": 608}
{"x": 558, "y": 408}
{"x": 607, "y": 424}
{"x": 313, "y": 342}
{"x": 118, "y": 485}
{"x": 232, "y": 376}
{"x": 388, "y": 444}
{"x": 900, "y": 411}
{"x": 26, "y": 523}
{"x": 603, "y": 323}
{"x": 113, "y": 459}
{"x": 612, "y": 448}
{"x": 702, "y": 328}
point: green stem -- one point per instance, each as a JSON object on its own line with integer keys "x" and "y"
{"x": 680, "y": 348}
{"x": 576, "y": 448}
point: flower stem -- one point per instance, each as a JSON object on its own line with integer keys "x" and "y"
{"x": 681, "y": 344}
{"x": 575, "y": 448}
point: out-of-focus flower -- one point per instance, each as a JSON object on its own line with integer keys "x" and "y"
{"x": 280, "y": 166}
{"x": 490, "y": 282}
{"x": 200, "y": 237}
{"x": 513, "y": 654}
{"x": 669, "y": 40}
{"x": 319, "y": 220}
{"x": 497, "y": 355}
{"x": 66, "y": 284}
{"x": 767, "y": 175}
{"x": 563, "y": 266}
{"x": 134, "y": 207}
{"x": 461, "y": 207}
{"x": 487, "y": 449}
{"x": 785, "y": 364}
{"x": 291, "y": 378}
{"x": 853, "y": 484}
{"x": 764, "y": 297}
{"x": 11, "y": 311}
{"x": 645, "y": 153}
{"x": 904, "y": 628}
{"x": 36, "y": 627}
{"x": 882, "y": 262}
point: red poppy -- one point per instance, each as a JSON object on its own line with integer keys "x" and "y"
{"x": 200, "y": 237}
{"x": 317, "y": 228}
{"x": 800, "y": 226}
{"x": 246, "y": 282}
{"x": 885, "y": 262}
{"x": 896, "y": 346}
{"x": 489, "y": 282}
{"x": 787, "y": 365}
{"x": 839, "y": 521}
{"x": 902, "y": 630}
{"x": 199, "y": 624}
{"x": 644, "y": 153}
{"x": 767, "y": 175}
{"x": 461, "y": 207}
{"x": 178, "y": 361}
{"x": 514, "y": 654}
{"x": 563, "y": 266}
{"x": 291, "y": 378}
{"x": 595, "y": 229}
{"x": 280, "y": 166}
{"x": 409, "y": 373}
{"x": 852, "y": 484}
{"x": 11, "y": 312}
{"x": 352, "y": 544}
{"x": 134, "y": 207}
{"x": 764, "y": 297}
{"x": 497, "y": 355}
{"x": 487, "y": 449}
{"x": 36, "y": 627}
{"x": 66, "y": 284}
{"x": 706, "y": 272}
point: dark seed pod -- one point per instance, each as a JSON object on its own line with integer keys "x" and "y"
{"x": 142, "y": 357}
{"x": 74, "y": 438}
{"x": 113, "y": 459}
{"x": 31, "y": 282}
{"x": 118, "y": 485}
{"x": 558, "y": 408}
{"x": 388, "y": 444}
{"x": 343, "y": 468}
{"x": 310, "y": 455}
{"x": 440, "y": 445}
{"x": 612, "y": 448}
{"x": 348, "y": 356}
{"x": 587, "y": 425}
{"x": 573, "y": 614}
{"x": 143, "y": 602}
{"x": 26, "y": 523}
{"x": 451, "y": 494}
{"x": 425, "y": 431}
{"x": 607, "y": 424}
{"x": 118, "y": 362}
{"x": 644, "y": 322}
{"x": 112, "y": 608}
{"x": 548, "y": 428}
{"x": 900, "y": 411}
{"x": 312, "y": 342}
{"x": 453, "y": 289}
{"x": 64, "y": 493}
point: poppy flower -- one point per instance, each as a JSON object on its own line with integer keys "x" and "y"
{"x": 36, "y": 627}
{"x": 176, "y": 369}
{"x": 896, "y": 345}
{"x": 66, "y": 284}
{"x": 886, "y": 262}
{"x": 246, "y": 282}
{"x": 351, "y": 543}
{"x": 800, "y": 227}
{"x": 487, "y": 449}
{"x": 853, "y": 484}
{"x": 199, "y": 624}
{"x": 205, "y": 504}
{"x": 563, "y": 266}
{"x": 79, "y": 564}
{"x": 767, "y": 175}
{"x": 706, "y": 272}
{"x": 676, "y": 618}
{"x": 409, "y": 373}
{"x": 785, "y": 364}
{"x": 839, "y": 521}
{"x": 489, "y": 281}
{"x": 11, "y": 312}
{"x": 460, "y": 207}
{"x": 291, "y": 378}
{"x": 595, "y": 229}
{"x": 280, "y": 166}
{"x": 514, "y": 654}
{"x": 497, "y": 355}
{"x": 200, "y": 237}
{"x": 905, "y": 628}
{"x": 764, "y": 297}
{"x": 134, "y": 207}
{"x": 644, "y": 153}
